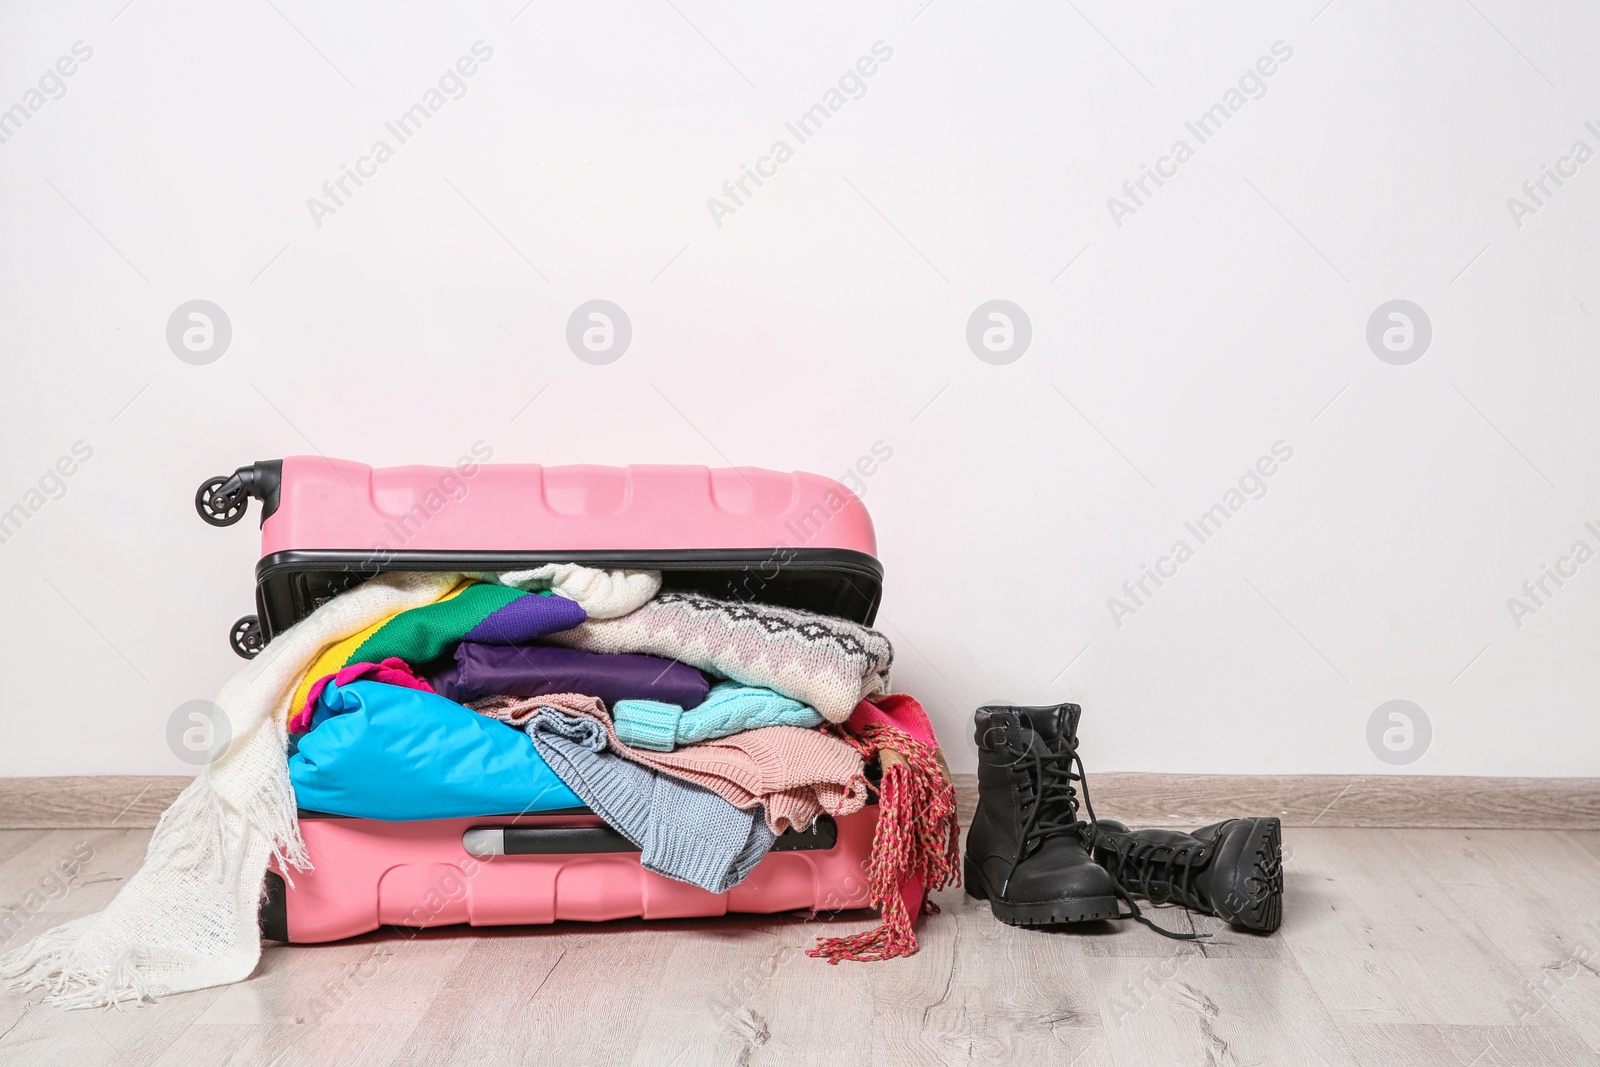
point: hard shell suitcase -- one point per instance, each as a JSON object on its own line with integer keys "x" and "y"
{"x": 795, "y": 540}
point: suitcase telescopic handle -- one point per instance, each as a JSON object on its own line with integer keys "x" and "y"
{"x": 484, "y": 841}
{"x": 222, "y": 500}
{"x": 544, "y": 840}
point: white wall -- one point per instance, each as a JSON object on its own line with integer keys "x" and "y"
{"x": 1226, "y": 313}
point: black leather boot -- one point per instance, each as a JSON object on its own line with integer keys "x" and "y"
{"x": 1027, "y": 850}
{"x": 1231, "y": 869}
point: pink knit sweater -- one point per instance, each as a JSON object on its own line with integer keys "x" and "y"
{"x": 795, "y": 774}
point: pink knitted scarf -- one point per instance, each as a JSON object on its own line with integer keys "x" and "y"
{"x": 917, "y": 843}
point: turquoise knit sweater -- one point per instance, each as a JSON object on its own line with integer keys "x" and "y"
{"x": 729, "y": 708}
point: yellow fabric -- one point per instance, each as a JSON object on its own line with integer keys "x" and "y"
{"x": 337, "y": 656}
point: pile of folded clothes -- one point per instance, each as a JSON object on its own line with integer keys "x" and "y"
{"x": 699, "y": 729}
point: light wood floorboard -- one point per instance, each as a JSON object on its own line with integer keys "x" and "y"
{"x": 1404, "y": 947}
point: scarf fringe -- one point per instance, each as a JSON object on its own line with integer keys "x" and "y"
{"x": 70, "y": 987}
{"x": 916, "y": 839}
{"x": 187, "y": 918}
{"x": 197, "y": 835}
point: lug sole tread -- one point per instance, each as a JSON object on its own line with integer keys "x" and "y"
{"x": 1264, "y": 911}
{"x": 1057, "y": 913}
{"x": 1038, "y": 913}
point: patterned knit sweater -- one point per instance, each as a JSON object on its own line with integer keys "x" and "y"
{"x": 830, "y": 664}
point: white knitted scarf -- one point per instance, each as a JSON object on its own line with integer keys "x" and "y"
{"x": 187, "y": 919}
{"x": 603, "y": 594}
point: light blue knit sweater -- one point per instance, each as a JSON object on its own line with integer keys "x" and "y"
{"x": 729, "y": 708}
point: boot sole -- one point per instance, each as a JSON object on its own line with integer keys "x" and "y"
{"x": 1263, "y": 909}
{"x": 1038, "y": 913}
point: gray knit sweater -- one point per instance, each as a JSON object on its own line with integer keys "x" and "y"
{"x": 685, "y": 831}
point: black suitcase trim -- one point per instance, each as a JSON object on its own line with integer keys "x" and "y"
{"x": 830, "y": 581}
{"x": 274, "y": 914}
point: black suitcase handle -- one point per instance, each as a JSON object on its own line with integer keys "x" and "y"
{"x": 585, "y": 840}
{"x": 564, "y": 840}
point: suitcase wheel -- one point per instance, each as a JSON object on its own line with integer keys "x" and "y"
{"x": 220, "y": 503}
{"x": 222, "y": 500}
{"x": 246, "y": 637}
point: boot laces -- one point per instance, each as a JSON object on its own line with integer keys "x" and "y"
{"x": 1052, "y": 801}
{"x": 1164, "y": 874}
{"x": 1053, "y": 809}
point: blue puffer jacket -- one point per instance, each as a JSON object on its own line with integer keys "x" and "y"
{"x": 377, "y": 751}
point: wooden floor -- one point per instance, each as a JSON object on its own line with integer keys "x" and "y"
{"x": 1398, "y": 947}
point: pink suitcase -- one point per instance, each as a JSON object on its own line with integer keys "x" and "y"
{"x": 797, "y": 540}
